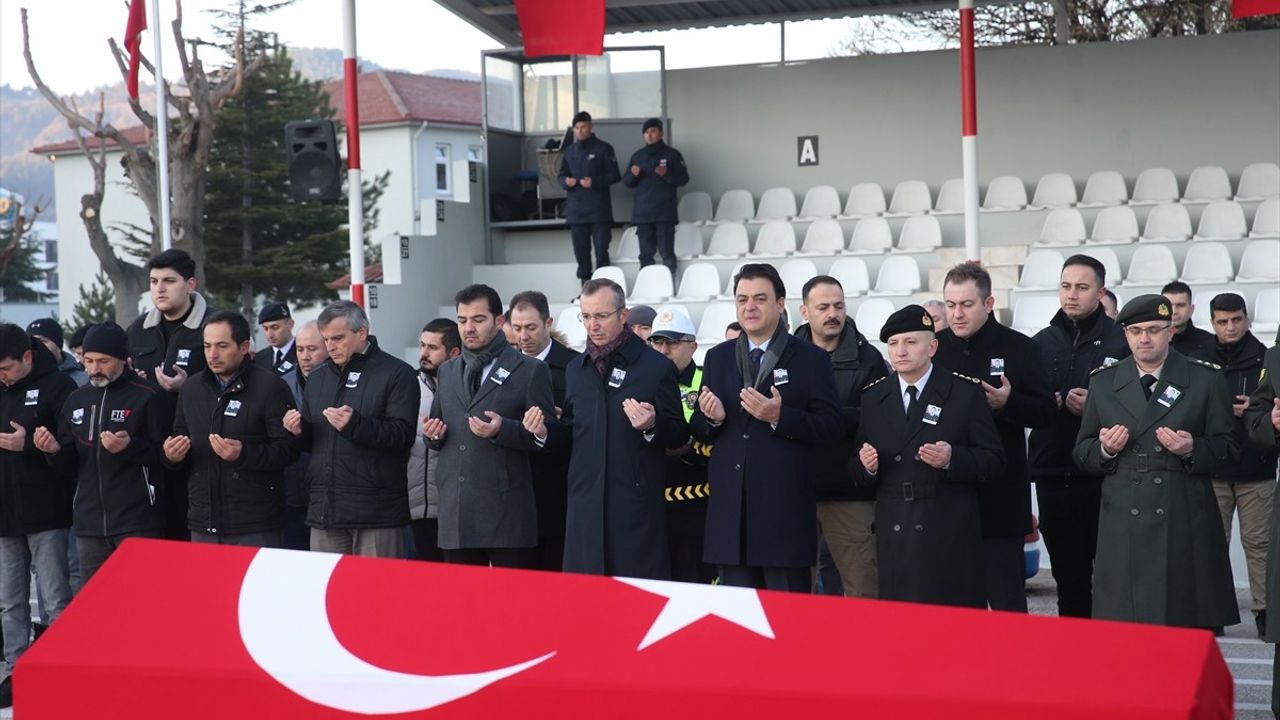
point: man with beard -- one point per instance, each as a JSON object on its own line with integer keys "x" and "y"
{"x": 311, "y": 354}
{"x": 437, "y": 343}
{"x": 846, "y": 511}
{"x": 655, "y": 171}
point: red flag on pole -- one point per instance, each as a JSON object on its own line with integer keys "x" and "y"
{"x": 553, "y": 27}
{"x": 1249, "y": 8}
{"x": 133, "y": 41}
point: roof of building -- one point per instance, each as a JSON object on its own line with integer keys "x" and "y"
{"x": 372, "y": 274}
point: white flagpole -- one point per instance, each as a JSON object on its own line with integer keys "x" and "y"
{"x": 162, "y": 133}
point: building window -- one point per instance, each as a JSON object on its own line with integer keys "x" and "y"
{"x": 51, "y": 251}
{"x": 51, "y": 280}
{"x": 443, "y": 172}
{"x": 475, "y": 154}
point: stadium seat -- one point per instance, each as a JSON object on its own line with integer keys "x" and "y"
{"x": 795, "y": 273}
{"x": 728, "y": 241}
{"x": 1266, "y": 219}
{"x": 865, "y": 200}
{"x": 1110, "y": 262}
{"x": 1155, "y": 186}
{"x": 1169, "y": 222}
{"x": 910, "y": 197}
{"x": 1033, "y": 314}
{"x": 629, "y": 245}
{"x": 1265, "y": 312}
{"x": 1104, "y": 188}
{"x": 822, "y": 201}
{"x": 735, "y": 206}
{"x": 871, "y": 236}
{"x": 1005, "y": 193}
{"x": 899, "y": 275}
{"x": 1151, "y": 265}
{"x": 1055, "y": 190}
{"x": 1206, "y": 183}
{"x": 1259, "y": 181}
{"x": 950, "y": 198}
{"x": 776, "y": 204}
{"x": 852, "y": 274}
{"x": 1114, "y": 226}
{"x": 715, "y": 318}
{"x": 1260, "y": 262}
{"x": 1207, "y": 262}
{"x": 920, "y": 233}
{"x": 1041, "y": 270}
{"x": 1222, "y": 220}
{"x": 653, "y": 285}
{"x": 1062, "y": 227}
{"x": 611, "y": 272}
{"x": 872, "y": 314}
{"x": 688, "y": 240}
{"x": 700, "y": 281}
{"x": 574, "y": 331}
{"x": 823, "y": 237}
{"x": 728, "y": 282}
{"x": 694, "y": 207}
{"x": 776, "y": 237}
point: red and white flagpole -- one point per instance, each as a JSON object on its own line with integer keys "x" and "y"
{"x": 969, "y": 132}
{"x": 162, "y": 135}
{"x": 355, "y": 201}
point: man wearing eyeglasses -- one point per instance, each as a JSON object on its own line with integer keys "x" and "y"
{"x": 1157, "y": 425}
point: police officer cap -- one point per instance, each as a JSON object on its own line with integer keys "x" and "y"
{"x": 1145, "y": 308}
{"x": 107, "y": 338}
{"x": 642, "y": 315}
{"x": 273, "y": 311}
{"x": 673, "y": 325}
{"x": 582, "y": 116}
{"x": 651, "y": 123}
{"x": 912, "y": 318}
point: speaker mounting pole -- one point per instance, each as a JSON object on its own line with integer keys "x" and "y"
{"x": 355, "y": 201}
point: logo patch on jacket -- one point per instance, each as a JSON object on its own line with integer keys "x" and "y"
{"x": 120, "y": 415}
{"x": 33, "y": 397}
{"x": 353, "y": 379}
{"x": 77, "y": 416}
{"x": 184, "y": 357}
{"x": 233, "y": 408}
{"x": 691, "y": 399}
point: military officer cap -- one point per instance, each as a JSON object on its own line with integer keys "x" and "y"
{"x": 1145, "y": 308}
{"x": 912, "y": 318}
{"x": 273, "y": 311}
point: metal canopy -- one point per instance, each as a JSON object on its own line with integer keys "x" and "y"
{"x": 497, "y": 18}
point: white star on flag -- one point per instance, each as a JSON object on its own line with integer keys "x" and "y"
{"x": 688, "y": 603}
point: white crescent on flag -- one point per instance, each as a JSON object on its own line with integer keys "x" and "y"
{"x": 284, "y": 624}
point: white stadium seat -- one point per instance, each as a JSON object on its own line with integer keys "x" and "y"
{"x": 950, "y": 198}
{"x": 1110, "y": 262}
{"x": 1055, "y": 190}
{"x": 700, "y": 281}
{"x": 852, "y": 274}
{"x": 776, "y": 204}
{"x": 776, "y": 237}
{"x": 822, "y": 201}
{"x": 1064, "y": 226}
{"x": 1222, "y": 220}
{"x": 1032, "y": 314}
{"x": 1266, "y": 219}
{"x": 1266, "y": 311}
{"x": 1169, "y": 222}
{"x": 688, "y": 240}
{"x": 795, "y": 273}
{"x": 1114, "y": 226}
{"x": 1041, "y": 271}
{"x": 1005, "y": 193}
{"x": 1104, "y": 188}
{"x": 653, "y": 285}
{"x": 574, "y": 331}
{"x": 1260, "y": 262}
{"x": 824, "y": 237}
{"x": 611, "y": 272}
{"x": 899, "y": 275}
{"x": 1207, "y": 262}
{"x": 1155, "y": 186}
{"x": 910, "y": 197}
{"x": 1207, "y": 183}
{"x": 694, "y": 207}
{"x": 729, "y": 240}
{"x": 1151, "y": 265}
{"x": 865, "y": 200}
{"x": 629, "y": 245}
{"x": 735, "y": 206}
{"x": 920, "y": 233}
{"x": 872, "y": 314}
{"x": 715, "y": 318}
{"x": 728, "y": 282}
{"x": 871, "y": 236}
{"x": 1259, "y": 181}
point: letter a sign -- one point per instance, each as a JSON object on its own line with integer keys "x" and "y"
{"x": 807, "y": 150}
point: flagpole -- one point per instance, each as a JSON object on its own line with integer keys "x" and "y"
{"x": 162, "y": 133}
{"x": 355, "y": 203}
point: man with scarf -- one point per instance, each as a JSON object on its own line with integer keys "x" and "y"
{"x": 623, "y": 405}
{"x": 487, "y": 512}
{"x": 655, "y": 171}
{"x": 768, "y": 404}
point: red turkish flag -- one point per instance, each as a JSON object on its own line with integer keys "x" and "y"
{"x": 208, "y": 632}
{"x": 556, "y": 27}
{"x": 1249, "y": 8}
{"x": 133, "y": 41}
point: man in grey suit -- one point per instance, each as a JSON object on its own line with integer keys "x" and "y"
{"x": 487, "y": 511}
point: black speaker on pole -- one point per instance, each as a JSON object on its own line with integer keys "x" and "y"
{"x": 315, "y": 170}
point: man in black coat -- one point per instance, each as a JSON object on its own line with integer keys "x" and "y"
{"x": 530, "y": 320}
{"x": 1079, "y": 339}
{"x": 768, "y": 403}
{"x": 228, "y": 434}
{"x": 846, "y": 511}
{"x": 281, "y": 353}
{"x": 1262, "y": 424}
{"x": 1187, "y": 338}
{"x": 655, "y": 171}
{"x": 311, "y": 354}
{"x": 587, "y": 169}
{"x": 1011, "y": 374}
{"x": 933, "y": 443}
{"x": 622, "y": 403}
{"x": 359, "y": 417}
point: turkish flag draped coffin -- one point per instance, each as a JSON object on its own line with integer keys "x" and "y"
{"x": 557, "y": 27}
{"x": 171, "y": 630}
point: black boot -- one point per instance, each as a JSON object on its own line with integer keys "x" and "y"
{"x": 6, "y": 693}
{"x": 1260, "y": 621}
{"x": 37, "y": 629}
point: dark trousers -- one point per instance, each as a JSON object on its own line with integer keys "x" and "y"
{"x": 297, "y": 536}
{"x": 549, "y": 554}
{"x": 94, "y": 551}
{"x": 520, "y": 558}
{"x": 1004, "y": 562}
{"x": 1069, "y": 523}
{"x": 766, "y": 578}
{"x": 686, "y": 531}
{"x": 659, "y": 237}
{"x": 266, "y": 539}
{"x": 174, "y": 499}
{"x": 585, "y": 236}
{"x": 426, "y": 534}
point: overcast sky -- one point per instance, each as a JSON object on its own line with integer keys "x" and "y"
{"x": 69, "y": 38}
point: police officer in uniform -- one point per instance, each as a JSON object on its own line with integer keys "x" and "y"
{"x": 655, "y": 171}
{"x": 1158, "y": 425}
{"x": 587, "y": 170}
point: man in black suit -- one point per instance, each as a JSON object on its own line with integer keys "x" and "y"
{"x": 281, "y": 352}
{"x": 530, "y": 321}
{"x": 768, "y": 404}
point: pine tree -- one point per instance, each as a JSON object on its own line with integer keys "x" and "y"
{"x": 20, "y": 267}
{"x": 97, "y": 304}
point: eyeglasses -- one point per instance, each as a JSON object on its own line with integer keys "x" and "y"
{"x": 1137, "y": 332}
{"x": 659, "y": 341}
{"x": 598, "y": 317}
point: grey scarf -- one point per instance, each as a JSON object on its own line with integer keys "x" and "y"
{"x": 777, "y": 344}
{"x": 475, "y": 361}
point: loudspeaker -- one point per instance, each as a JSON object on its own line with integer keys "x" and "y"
{"x": 315, "y": 170}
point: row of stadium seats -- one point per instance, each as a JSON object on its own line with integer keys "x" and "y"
{"x": 1169, "y": 222}
{"x": 1205, "y": 263}
{"x": 870, "y": 236}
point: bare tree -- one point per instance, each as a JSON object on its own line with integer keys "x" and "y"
{"x": 190, "y": 138}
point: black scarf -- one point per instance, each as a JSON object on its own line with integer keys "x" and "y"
{"x": 475, "y": 361}
{"x": 751, "y": 378}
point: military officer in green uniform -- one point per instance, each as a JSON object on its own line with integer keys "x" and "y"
{"x": 1156, "y": 425}
{"x": 1262, "y": 423}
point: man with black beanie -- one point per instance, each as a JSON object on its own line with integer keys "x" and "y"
{"x": 587, "y": 170}
{"x": 49, "y": 333}
{"x": 655, "y": 171}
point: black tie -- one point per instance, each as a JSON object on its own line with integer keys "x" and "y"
{"x": 911, "y": 400}
{"x": 475, "y": 381}
{"x": 1148, "y": 382}
{"x": 757, "y": 356}
{"x": 279, "y": 359}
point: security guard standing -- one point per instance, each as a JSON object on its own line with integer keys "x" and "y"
{"x": 587, "y": 170}
{"x": 1262, "y": 422}
{"x": 687, "y": 487}
{"x": 1157, "y": 425}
